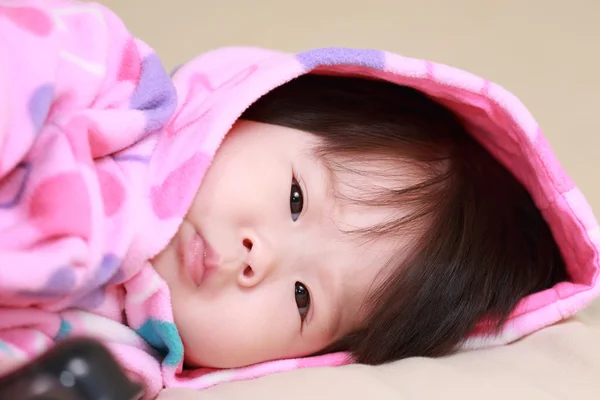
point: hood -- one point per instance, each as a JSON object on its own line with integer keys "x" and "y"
{"x": 215, "y": 88}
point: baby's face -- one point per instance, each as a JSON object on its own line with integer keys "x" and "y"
{"x": 260, "y": 268}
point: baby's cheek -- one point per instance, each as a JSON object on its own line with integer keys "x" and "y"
{"x": 228, "y": 336}
{"x": 213, "y": 345}
{"x": 165, "y": 263}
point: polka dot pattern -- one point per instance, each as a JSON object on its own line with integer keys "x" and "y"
{"x": 58, "y": 285}
{"x": 12, "y": 187}
{"x": 113, "y": 192}
{"x": 173, "y": 196}
{"x": 39, "y": 105}
{"x": 154, "y": 94}
{"x": 130, "y": 63}
{"x": 29, "y": 19}
{"x": 60, "y": 206}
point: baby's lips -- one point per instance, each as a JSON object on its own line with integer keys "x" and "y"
{"x": 194, "y": 258}
{"x": 212, "y": 259}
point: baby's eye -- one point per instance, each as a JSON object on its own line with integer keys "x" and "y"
{"x": 296, "y": 200}
{"x": 302, "y": 299}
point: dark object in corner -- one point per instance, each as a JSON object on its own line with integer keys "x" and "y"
{"x": 74, "y": 369}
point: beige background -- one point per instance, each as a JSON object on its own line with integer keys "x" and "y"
{"x": 545, "y": 51}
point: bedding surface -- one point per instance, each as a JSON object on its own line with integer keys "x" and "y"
{"x": 560, "y": 362}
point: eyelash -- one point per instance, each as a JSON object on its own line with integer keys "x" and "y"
{"x": 301, "y": 290}
{"x": 300, "y": 199}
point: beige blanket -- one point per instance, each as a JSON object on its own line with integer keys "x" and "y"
{"x": 560, "y": 362}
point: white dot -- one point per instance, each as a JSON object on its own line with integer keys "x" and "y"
{"x": 67, "y": 379}
{"x": 78, "y": 367}
{"x": 41, "y": 386}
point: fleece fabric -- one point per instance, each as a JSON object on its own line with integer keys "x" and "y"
{"x": 102, "y": 152}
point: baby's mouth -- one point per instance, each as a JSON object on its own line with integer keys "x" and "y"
{"x": 194, "y": 254}
{"x": 199, "y": 258}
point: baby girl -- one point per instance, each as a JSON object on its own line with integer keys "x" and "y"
{"x": 259, "y": 211}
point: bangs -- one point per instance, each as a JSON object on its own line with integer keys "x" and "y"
{"x": 408, "y": 192}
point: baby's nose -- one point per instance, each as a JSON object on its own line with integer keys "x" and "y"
{"x": 258, "y": 261}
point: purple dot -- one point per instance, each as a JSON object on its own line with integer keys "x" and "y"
{"x": 17, "y": 181}
{"x": 60, "y": 284}
{"x": 108, "y": 266}
{"x": 155, "y": 94}
{"x": 117, "y": 278}
{"x": 312, "y": 59}
{"x": 39, "y": 105}
{"x": 90, "y": 300}
{"x": 132, "y": 158}
{"x": 91, "y": 295}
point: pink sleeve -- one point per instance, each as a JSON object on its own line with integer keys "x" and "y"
{"x": 80, "y": 99}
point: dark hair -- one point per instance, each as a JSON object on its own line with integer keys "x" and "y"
{"x": 483, "y": 245}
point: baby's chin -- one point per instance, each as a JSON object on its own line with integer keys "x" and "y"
{"x": 231, "y": 357}
{"x": 220, "y": 361}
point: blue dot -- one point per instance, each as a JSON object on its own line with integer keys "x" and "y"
{"x": 64, "y": 330}
{"x": 164, "y": 337}
{"x": 4, "y": 348}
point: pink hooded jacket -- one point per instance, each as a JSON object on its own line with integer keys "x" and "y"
{"x": 101, "y": 154}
